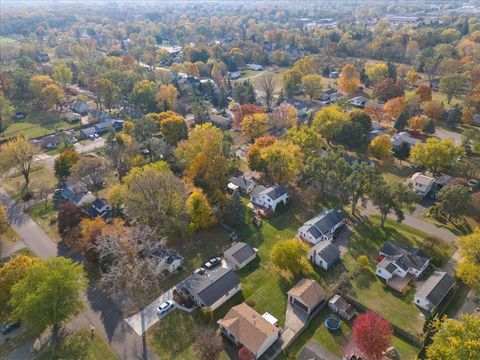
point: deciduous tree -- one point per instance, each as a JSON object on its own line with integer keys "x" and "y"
{"x": 283, "y": 116}
{"x": 255, "y": 125}
{"x": 387, "y": 89}
{"x": 267, "y": 85}
{"x": 381, "y": 147}
{"x": 312, "y": 85}
{"x": 372, "y": 334}
{"x": 468, "y": 268}
{"x": 62, "y": 74}
{"x": 328, "y": 121}
{"x": 424, "y": 92}
{"x": 394, "y": 107}
{"x": 291, "y": 256}
{"x": 453, "y": 84}
{"x": 166, "y": 97}
{"x": 433, "y": 110}
{"x": 349, "y": 80}
{"x": 49, "y": 294}
{"x": 208, "y": 344}
{"x": 376, "y": 72}
{"x": 64, "y": 163}
{"x": 435, "y": 153}
{"x": 199, "y": 211}
{"x": 91, "y": 171}
{"x": 452, "y": 200}
{"x": 6, "y": 112}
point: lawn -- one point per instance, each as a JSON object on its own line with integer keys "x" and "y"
{"x": 9, "y": 237}
{"x": 40, "y": 176}
{"x": 277, "y": 78}
{"x": 335, "y": 342}
{"x": 97, "y": 348}
{"x": 366, "y": 288}
{"x": 172, "y": 337}
{"x": 35, "y": 124}
{"x": 45, "y": 217}
{"x": 459, "y": 227}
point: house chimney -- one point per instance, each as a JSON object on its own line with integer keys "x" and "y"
{"x": 254, "y": 320}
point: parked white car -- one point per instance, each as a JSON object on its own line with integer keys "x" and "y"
{"x": 165, "y": 307}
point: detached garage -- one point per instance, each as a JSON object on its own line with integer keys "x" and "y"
{"x": 307, "y": 295}
{"x": 239, "y": 255}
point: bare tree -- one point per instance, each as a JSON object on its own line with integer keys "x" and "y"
{"x": 267, "y": 84}
{"x": 91, "y": 172}
{"x": 131, "y": 259}
{"x": 208, "y": 344}
{"x": 43, "y": 192}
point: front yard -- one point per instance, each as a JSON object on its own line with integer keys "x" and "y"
{"x": 46, "y": 218}
{"x": 40, "y": 177}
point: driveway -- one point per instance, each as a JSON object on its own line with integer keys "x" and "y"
{"x": 99, "y": 309}
{"x": 146, "y": 318}
{"x": 443, "y": 134}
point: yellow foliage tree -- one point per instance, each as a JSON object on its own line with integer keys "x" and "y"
{"x": 381, "y": 147}
{"x": 291, "y": 256}
{"x": 468, "y": 268}
{"x": 255, "y": 125}
{"x": 199, "y": 211}
{"x": 349, "y": 80}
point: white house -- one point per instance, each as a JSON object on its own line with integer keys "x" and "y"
{"x": 269, "y": 197}
{"x": 432, "y": 292}
{"x": 255, "y": 67}
{"x": 170, "y": 261}
{"x": 358, "y": 101}
{"x": 324, "y": 254}
{"x": 399, "y": 260}
{"x": 422, "y": 184}
{"x": 241, "y": 183}
{"x": 322, "y": 227}
{"x": 247, "y": 328}
{"x": 210, "y": 288}
{"x": 403, "y": 137}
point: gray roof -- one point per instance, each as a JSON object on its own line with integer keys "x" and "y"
{"x": 323, "y": 222}
{"x": 327, "y": 251}
{"x": 241, "y": 181}
{"x": 313, "y": 351}
{"x": 436, "y": 287}
{"x": 212, "y": 285}
{"x": 404, "y": 256}
{"x": 89, "y": 131}
{"x": 240, "y": 252}
{"x": 257, "y": 190}
{"x": 274, "y": 191}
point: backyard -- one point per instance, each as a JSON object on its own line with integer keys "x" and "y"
{"x": 40, "y": 178}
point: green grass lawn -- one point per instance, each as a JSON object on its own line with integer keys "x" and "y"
{"x": 39, "y": 176}
{"x": 173, "y": 337}
{"x": 366, "y": 288}
{"x": 10, "y": 236}
{"x": 94, "y": 349}
{"x": 36, "y": 123}
{"x": 335, "y": 341}
{"x": 459, "y": 227}
{"x": 44, "y": 217}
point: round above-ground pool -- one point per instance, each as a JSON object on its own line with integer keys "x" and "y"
{"x": 332, "y": 323}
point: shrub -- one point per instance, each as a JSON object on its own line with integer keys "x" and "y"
{"x": 363, "y": 260}
{"x": 206, "y": 315}
{"x": 250, "y": 302}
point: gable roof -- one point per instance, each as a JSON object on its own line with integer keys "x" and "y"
{"x": 323, "y": 222}
{"x": 240, "y": 252}
{"x": 241, "y": 181}
{"x": 248, "y": 327}
{"x": 309, "y": 291}
{"x": 404, "y": 256}
{"x": 257, "y": 191}
{"x": 211, "y": 285}
{"x": 436, "y": 287}
{"x": 326, "y": 250}
{"x": 274, "y": 192}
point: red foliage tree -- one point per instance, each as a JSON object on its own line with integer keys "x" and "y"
{"x": 244, "y": 110}
{"x": 69, "y": 217}
{"x": 372, "y": 334}
{"x": 387, "y": 89}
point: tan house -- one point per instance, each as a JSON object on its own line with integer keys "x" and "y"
{"x": 307, "y": 294}
{"x": 247, "y": 328}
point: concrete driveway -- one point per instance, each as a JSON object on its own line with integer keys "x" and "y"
{"x": 443, "y": 134}
{"x": 143, "y": 320}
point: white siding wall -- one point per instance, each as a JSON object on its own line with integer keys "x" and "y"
{"x": 384, "y": 274}
{"x": 423, "y": 303}
{"x": 225, "y": 297}
{"x": 267, "y": 343}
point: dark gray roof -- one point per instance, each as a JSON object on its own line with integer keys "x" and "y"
{"x": 314, "y": 351}
{"x": 241, "y": 181}
{"x": 240, "y": 252}
{"x": 257, "y": 190}
{"x": 211, "y": 285}
{"x": 89, "y": 131}
{"x": 327, "y": 251}
{"x": 436, "y": 287}
{"x": 324, "y": 221}
{"x": 404, "y": 256}
{"x": 275, "y": 191}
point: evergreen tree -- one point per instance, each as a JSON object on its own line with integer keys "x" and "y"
{"x": 455, "y": 116}
{"x": 392, "y": 70}
{"x": 235, "y": 210}
{"x": 429, "y": 127}
{"x": 326, "y": 71}
{"x": 402, "y": 152}
{"x": 401, "y": 121}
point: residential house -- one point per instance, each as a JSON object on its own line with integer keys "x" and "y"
{"x": 210, "y": 288}
{"x": 245, "y": 327}
{"x": 101, "y": 208}
{"x": 88, "y": 133}
{"x": 307, "y": 295}
{"x": 72, "y": 117}
{"x": 324, "y": 254}
{"x": 169, "y": 260}
{"x": 322, "y": 227}
{"x": 359, "y": 101}
{"x": 422, "y": 184}
{"x": 300, "y": 106}
{"x": 101, "y": 128}
{"x": 239, "y": 255}
{"x": 334, "y": 74}
{"x": 53, "y": 141}
{"x": 397, "y": 260}
{"x": 241, "y": 183}
{"x": 234, "y": 75}
{"x": 80, "y": 107}
{"x": 432, "y": 292}
{"x": 340, "y": 306}
{"x": 269, "y": 197}
{"x": 255, "y": 67}
{"x": 223, "y": 122}
{"x": 403, "y": 137}
{"x": 43, "y": 57}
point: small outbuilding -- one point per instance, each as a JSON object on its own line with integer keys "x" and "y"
{"x": 340, "y": 306}
{"x": 307, "y": 295}
{"x": 239, "y": 255}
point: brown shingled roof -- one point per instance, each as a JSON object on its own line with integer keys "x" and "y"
{"x": 309, "y": 291}
{"x": 247, "y": 326}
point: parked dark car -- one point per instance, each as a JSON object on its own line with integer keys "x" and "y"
{"x": 213, "y": 262}
{"x": 9, "y": 327}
